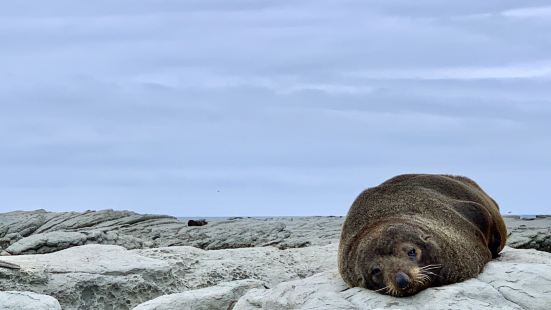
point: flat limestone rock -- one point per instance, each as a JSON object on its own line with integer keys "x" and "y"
{"x": 519, "y": 279}
{"x": 34, "y": 243}
{"x": 93, "y": 259}
{"x": 221, "y": 296}
{"x": 200, "y": 268}
{"x": 59, "y": 240}
{"x": 283, "y": 233}
{"x": 90, "y": 276}
{"x": 13, "y": 300}
{"x": 108, "y": 276}
{"x": 38, "y": 232}
{"x": 112, "y": 277}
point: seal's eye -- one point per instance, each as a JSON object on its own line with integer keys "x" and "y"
{"x": 375, "y": 271}
{"x": 412, "y": 254}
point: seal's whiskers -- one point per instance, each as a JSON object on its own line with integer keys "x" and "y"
{"x": 430, "y": 267}
{"x": 384, "y": 288}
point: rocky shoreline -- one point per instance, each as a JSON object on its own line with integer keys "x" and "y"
{"x": 124, "y": 260}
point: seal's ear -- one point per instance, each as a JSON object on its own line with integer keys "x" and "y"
{"x": 430, "y": 250}
{"x": 428, "y": 243}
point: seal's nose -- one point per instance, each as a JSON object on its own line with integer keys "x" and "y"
{"x": 402, "y": 280}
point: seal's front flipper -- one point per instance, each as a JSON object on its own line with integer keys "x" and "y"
{"x": 474, "y": 213}
{"x": 4, "y": 264}
{"x": 481, "y": 218}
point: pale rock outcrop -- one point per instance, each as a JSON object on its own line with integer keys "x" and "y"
{"x": 109, "y": 276}
{"x": 58, "y": 240}
{"x": 38, "y": 232}
{"x": 10, "y": 300}
{"x": 519, "y": 279}
{"x": 221, "y": 296}
{"x": 92, "y": 276}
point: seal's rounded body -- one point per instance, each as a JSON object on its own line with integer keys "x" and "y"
{"x": 419, "y": 230}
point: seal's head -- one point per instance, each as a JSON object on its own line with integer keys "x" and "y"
{"x": 398, "y": 259}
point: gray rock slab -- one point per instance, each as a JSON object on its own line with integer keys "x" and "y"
{"x": 58, "y": 240}
{"x": 221, "y": 296}
{"x": 202, "y": 268}
{"x": 41, "y": 243}
{"x": 520, "y": 279}
{"x": 90, "y": 276}
{"x": 30, "y": 232}
{"x": 34, "y": 232}
{"x": 13, "y": 300}
{"x": 282, "y": 233}
{"x": 109, "y": 276}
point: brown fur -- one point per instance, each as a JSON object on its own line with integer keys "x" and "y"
{"x": 449, "y": 226}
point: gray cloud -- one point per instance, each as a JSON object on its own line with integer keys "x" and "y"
{"x": 268, "y": 107}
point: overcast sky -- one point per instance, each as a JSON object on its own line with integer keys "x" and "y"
{"x": 249, "y": 107}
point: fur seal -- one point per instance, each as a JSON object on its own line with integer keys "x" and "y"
{"x": 419, "y": 230}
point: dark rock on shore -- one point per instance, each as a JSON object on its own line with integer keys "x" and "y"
{"x": 202, "y": 222}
